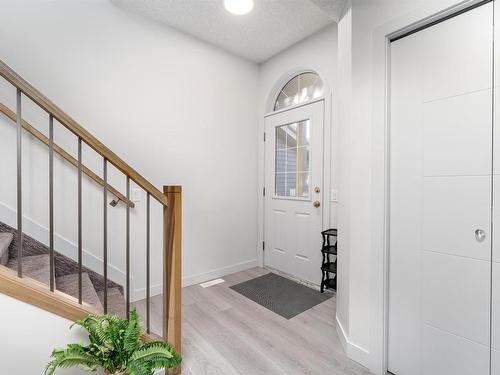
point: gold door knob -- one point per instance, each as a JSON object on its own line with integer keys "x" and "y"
{"x": 316, "y": 204}
{"x": 317, "y": 189}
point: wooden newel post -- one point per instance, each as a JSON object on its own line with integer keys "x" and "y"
{"x": 172, "y": 271}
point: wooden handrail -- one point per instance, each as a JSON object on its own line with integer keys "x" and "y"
{"x": 172, "y": 279}
{"x": 42, "y": 138}
{"x": 36, "y": 96}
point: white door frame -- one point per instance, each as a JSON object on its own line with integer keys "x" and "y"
{"x": 322, "y": 197}
{"x": 381, "y": 48}
{"x": 327, "y": 166}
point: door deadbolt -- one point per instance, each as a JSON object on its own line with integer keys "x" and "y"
{"x": 317, "y": 189}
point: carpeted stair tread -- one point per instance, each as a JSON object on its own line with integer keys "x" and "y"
{"x": 69, "y": 284}
{"x": 5, "y": 241}
{"x": 116, "y": 301}
{"x": 63, "y": 265}
{"x": 35, "y": 266}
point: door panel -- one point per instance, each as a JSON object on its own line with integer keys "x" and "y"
{"x": 495, "y": 361}
{"x": 495, "y": 334}
{"x": 458, "y": 54}
{"x": 456, "y": 290}
{"x": 447, "y": 354}
{"x": 440, "y": 151}
{"x": 294, "y": 167}
{"x": 280, "y": 223}
{"x": 453, "y": 146}
{"x": 495, "y": 308}
{"x": 454, "y": 208}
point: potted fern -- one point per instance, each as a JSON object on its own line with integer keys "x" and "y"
{"x": 115, "y": 346}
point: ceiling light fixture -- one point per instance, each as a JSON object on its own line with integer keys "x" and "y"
{"x": 238, "y": 7}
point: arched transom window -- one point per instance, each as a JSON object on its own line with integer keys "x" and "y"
{"x": 300, "y": 89}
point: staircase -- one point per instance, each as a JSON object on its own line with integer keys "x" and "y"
{"x": 38, "y": 274}
{"x": 37, "y": 267}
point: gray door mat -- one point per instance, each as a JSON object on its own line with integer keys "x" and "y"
{"x": 280, "y": 295}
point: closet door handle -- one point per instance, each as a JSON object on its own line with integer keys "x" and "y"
{"x": 480, "y": 235}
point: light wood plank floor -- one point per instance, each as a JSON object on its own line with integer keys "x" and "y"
{"x": 224, "y": 333}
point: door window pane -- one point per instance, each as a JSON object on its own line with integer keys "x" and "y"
{"x": 303, "y": 185}
{"x": 292, "y": 160}
{"x": 280, "y": 161}
{"x": 291, "y": 185}
{"x": 291, "y": 135}
{"x": 280, "y": 184}
{"x": 301, "y": 88}
{"x": 303, "y": 136}
{"x": 303, "y": 159}
{"x": 280, "y": 138}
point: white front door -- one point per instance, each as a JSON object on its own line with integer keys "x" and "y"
{"x": 294, "y": 191}
{"x": 440, "y": 193}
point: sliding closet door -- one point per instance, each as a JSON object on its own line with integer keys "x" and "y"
{"x": 495, "y": 309}
{"x": 440, "y": 198}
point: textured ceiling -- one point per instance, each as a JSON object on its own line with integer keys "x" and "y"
{"x": 334, "y": 8}
{"x": 272, "y": 26}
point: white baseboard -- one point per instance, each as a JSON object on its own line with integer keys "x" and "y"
{"x": 352, "y": 350}
{"x": 219, "y": 272}
{"x": 140, "y": 293}
{"x": 341, "y": 333}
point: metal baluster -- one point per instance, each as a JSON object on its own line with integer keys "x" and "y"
{"x": 80, "y": 251}
{"x": 128, "y": 247}
{"x": 148, "y": 260}
{"x": 51, "y": 201}
{"x": 19, "y": 189}
{"x": 105, "y": 230}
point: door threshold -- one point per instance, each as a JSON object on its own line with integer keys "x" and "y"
{"x": 297, "y": 280}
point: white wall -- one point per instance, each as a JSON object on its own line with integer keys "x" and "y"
{"x": 360, "y": 303}
{"x": 177, "y": 110}
{"x": 318, "y": 53}
{"x": 28, "y": 344}
{"x": 343, "y": 125}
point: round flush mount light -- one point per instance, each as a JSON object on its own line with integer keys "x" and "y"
{"x": 238, "y": 7}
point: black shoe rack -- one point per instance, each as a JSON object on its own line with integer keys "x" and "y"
{"x": 329, "y": 265}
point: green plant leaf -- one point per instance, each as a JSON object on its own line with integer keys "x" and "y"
{"x": 71, "y": 358}
{"x": 132, "y": 334}
{"x": 139, "y": 368}
{"x": 155, "y": 352}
